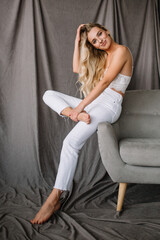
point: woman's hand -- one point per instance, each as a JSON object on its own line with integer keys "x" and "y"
{"x": 75, "y": 112}
{"x": 78, "y": 36}
{"x": 74, "y": 115}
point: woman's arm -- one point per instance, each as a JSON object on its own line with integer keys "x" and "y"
{"x": 76, "y": 58}
{"x": 76, "y": 51}
{"x": 117, "y": 63}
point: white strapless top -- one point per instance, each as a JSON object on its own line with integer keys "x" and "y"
{"x": 120, "y": 83}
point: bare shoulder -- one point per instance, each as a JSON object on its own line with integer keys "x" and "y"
{"x": 124, "y": 55}
{"x": 123, "y": 51}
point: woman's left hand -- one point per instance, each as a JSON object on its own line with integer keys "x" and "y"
{"x": 74, "y": 114}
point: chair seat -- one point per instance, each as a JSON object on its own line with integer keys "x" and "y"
{"x": 140, "y": 151}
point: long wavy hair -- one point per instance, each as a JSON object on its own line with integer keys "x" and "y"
{"x": 92, "y": 61}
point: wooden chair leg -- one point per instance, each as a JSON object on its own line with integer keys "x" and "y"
{"x": 121, "y": 193}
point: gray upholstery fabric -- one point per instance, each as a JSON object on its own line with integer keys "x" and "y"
{"x": 140, "y": 118}
{"x": 141, "y": 115}
{"x": 140, "y": 151}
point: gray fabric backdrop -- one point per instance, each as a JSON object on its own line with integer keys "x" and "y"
{"x": 36, "y": 50}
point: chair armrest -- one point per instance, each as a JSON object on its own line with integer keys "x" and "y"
{"x": 109, "y": 150}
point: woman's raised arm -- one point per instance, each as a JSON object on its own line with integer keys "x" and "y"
{"x": 76, "y": 51}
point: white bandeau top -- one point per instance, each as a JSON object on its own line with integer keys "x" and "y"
{"x": 120, "y": 83}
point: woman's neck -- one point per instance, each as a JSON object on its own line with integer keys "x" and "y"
{"x": 112, "y": 48}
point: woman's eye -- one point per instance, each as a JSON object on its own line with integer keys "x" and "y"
{"x": 100, "y": 33}
{"x": 94, "y": 41}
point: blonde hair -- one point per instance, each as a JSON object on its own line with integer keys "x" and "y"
{"x": 92, "y": 61}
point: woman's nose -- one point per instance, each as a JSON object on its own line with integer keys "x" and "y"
{"x": 100, "y": 40}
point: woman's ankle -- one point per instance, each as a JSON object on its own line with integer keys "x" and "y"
{"x": 59, "y": 192}
{"x": 66, "y": 111}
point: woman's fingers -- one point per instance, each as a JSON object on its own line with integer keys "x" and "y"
{"x": 81, "y": 25}
{"x": 74, "y": 115}
{"x": 78, "y": 32}
{"x": 74, "y": 119}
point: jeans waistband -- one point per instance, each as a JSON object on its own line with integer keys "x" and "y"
{"x": 113, "y": 94}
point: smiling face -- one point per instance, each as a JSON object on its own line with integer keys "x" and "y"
{"x": 99, "y": 38}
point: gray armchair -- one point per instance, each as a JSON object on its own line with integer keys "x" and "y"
{"x": 130, "y": 148}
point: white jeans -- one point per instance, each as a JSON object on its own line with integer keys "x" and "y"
{"x": 106, "y": 107}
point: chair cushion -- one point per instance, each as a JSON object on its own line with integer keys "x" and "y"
{"x": 140, "y": 117}
{"x": 140, "y": 151}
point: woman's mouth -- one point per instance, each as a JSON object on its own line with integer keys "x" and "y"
{"x": 104, "y": 43}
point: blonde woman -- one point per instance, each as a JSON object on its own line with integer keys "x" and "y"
{"x": 105, "y": 70}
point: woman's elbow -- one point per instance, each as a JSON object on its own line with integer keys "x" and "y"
{"x": 105, "y": 84}
{"x": 75, "y": 70}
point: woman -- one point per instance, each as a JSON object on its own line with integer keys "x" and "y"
{"x": 105, "y": 70}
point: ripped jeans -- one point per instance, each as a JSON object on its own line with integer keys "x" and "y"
{"x": 106, "y": 107}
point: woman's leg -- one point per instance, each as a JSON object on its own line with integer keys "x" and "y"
{"x": 63, "y": 104}
{"x": 73, "y": 143}
{"x": 58, "y": 101}
{"x": 69, "y": 156}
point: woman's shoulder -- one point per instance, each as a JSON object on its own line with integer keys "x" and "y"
{"x": 123, "y": 51}
{"x": 126, "y": 55}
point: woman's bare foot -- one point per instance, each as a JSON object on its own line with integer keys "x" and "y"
{"x": 84, "y": 117}
{"x": 51, "y": 205}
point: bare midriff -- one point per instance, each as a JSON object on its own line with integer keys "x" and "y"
{"x": 118, "y": 92}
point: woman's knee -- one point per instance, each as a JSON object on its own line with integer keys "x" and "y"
{"x": 47, "y": 94}
{"x": 72, "y": 143}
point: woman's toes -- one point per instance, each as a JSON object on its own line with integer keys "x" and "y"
{"x": 88, "y": 119}
{"x": 33, "y": 221}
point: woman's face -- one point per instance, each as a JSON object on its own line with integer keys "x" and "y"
{"x": 99, "y": 38}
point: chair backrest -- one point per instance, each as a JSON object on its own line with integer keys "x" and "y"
{"x": 140, "y": 117}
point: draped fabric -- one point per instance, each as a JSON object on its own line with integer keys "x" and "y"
{"x": 36, "y": 51}
{"x": 159, "y": 8}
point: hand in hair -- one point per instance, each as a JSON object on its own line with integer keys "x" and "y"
{"x": 78, "y": 35}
